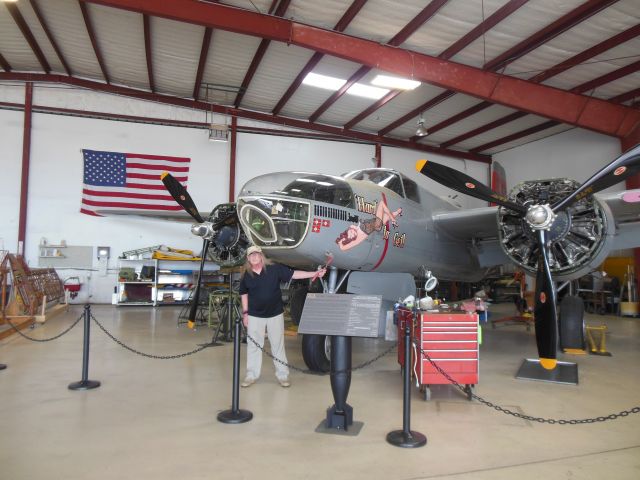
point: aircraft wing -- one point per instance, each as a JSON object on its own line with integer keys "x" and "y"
{"x": 625, "y": 206}
{"x": 477, "y": 226}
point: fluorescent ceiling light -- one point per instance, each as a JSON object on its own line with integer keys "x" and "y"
{"x": 396, "y": 83}
{"x": 323, "y": 81}
{"x": 367, "y": 91}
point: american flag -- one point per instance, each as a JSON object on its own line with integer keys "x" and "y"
{"x": 116, "y": 181}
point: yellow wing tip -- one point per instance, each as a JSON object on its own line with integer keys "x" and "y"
{"x": 191, "y": 324}
{"x": 163, "y": 174}
{"x": 420, "y": 164}
{"x": 548, "y": 363}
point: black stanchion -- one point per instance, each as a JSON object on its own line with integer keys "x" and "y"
{"x": 2, "y": 366}
{"x": 407, "y": 438}
{"x": 235, "y": 415}
{"x": 85, "y": 384}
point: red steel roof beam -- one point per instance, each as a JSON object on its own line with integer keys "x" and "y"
{"x": 368, "y": 111}
{"x": 4, "y": 64}
{"x": 586, "y": 112}
{"x": 28, "y": 36}
{"x": 516, "y": 136}
{"x": 551, "y": 31}
{"x": 204, "y": 52}
{"x": 550, "y": 72}
{"x": 416, "y": 111}
{"x": 146, "y": 21}
{"x": 623, "y": 97}
{"x": 476, "y": 32}
{"x": 259, "y": 55}
{"x": 349, "y": 15}
{"x": 409, "y": 29}
{"x": 456, "y": 118}
{"x": 50, "y": 36}
{"x": 92, "y": 37}
{"x": 252, "y": 115}
{"x": 607, "y": 78}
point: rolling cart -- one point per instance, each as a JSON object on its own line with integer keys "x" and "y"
{"x": 450, "y": 339}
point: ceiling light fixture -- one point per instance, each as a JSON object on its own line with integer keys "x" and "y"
{"x": 323, "y": 81}
{"x": 367, "y": 91}
{"x": 421, "y": 131}
{"x": 395, "y": 83}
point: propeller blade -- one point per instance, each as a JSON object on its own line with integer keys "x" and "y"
{"x": 623, "y": 167}
{"x": 545, "y": 314}
{"x": 181, "y": 196}
{"x": 463, "y": 183}
{"x": 191, "y": 321}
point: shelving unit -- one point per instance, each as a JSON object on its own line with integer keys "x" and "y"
{"x": 163, "y": 282}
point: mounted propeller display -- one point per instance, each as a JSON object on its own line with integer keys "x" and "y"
{"x": 540, "y": 221}
{"x": 221, "y": 233}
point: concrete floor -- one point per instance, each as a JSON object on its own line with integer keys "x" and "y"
{"x": 155, "y": 418}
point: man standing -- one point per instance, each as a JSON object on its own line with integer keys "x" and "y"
{"x": 262, "y": 308}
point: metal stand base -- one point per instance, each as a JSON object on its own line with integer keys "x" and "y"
{"x": 239, "y": 416}
{"x": 2, "y": 366}
{"x": 565, "y": 372}
{"x": 337, "y": 419}
{"x": 84, "y": 385}
{"x": 354, "y": 429}
{"x": 409, "y": 439}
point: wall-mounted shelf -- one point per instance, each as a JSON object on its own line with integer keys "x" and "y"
{"x": 165, "y": 282}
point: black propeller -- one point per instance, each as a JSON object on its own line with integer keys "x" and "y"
{"x": 539, "y": 218}
{"x": 182, "y": 197}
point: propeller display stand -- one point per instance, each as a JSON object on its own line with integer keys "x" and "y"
{"x": 406, "y": 437}
{"x": 235, "y": 414}
{"x": 565, "y": 372}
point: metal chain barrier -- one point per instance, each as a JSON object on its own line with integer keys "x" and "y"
{"x": 138, "y": 352}
{"x": 506, "y": 411}
{"x": 44, "y": 339}
{"x": 311, "y": 372}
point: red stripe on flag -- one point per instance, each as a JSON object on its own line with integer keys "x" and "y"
{"x": 89, "y": 212}
{"x": 131, "y": 205}
{"x": 157, "y": 157}
{"x": 151, "y": 176}
{"x": 169, "y": 168}
{"x": 145, "y": 186}
{"x": 145, "y": 196}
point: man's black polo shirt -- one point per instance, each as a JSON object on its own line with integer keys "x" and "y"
{"x": 265, "y": 297}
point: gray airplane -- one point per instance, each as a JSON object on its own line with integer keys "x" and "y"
{"x": 379, "y": 221}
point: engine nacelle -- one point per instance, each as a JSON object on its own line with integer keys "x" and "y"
{"x": 228, "y": 242}
{"x": 580, "y": 237}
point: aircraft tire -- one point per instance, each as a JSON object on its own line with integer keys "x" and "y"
{"x": 571, "y": 323}
{"x": 314, "y": 352}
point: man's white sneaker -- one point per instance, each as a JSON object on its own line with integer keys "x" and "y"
{"x": 247, "y": 382}
{"x": 284, "y": 382}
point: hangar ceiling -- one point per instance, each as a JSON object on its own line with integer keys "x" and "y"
{"x": 493, "y": 74}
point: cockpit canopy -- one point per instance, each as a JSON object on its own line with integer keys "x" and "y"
{"x": 301, "y": 185}
{"x": 389, "y": 179}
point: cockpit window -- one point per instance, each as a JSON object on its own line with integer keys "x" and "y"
{"x": 411, "y": 189}
{"x": 384, "y": 178}
{"x": 321, "y": 189}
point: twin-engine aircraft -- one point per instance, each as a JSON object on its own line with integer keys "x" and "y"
{"x": 379, "y": 221}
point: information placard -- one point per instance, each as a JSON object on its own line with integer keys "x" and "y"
{"x": 341, "y": 314}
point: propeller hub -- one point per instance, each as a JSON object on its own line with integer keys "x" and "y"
{"x": 202, "y": 230}
{"x": 540, "y": 217}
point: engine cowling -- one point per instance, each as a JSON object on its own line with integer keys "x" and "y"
{"x": 580, "y": 236}
{"x": 228, "y": 241}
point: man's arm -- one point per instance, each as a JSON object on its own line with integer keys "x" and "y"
{"x": 244, "y": 299}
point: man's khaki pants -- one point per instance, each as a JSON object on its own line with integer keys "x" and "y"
{"x": 275, "y": 333}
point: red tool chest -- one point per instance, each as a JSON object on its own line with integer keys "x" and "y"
{"x": 450, "y": 339}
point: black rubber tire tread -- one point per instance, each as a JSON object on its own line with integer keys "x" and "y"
{"x": 313, "y": 353}
{"x": 571, "y": 323}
